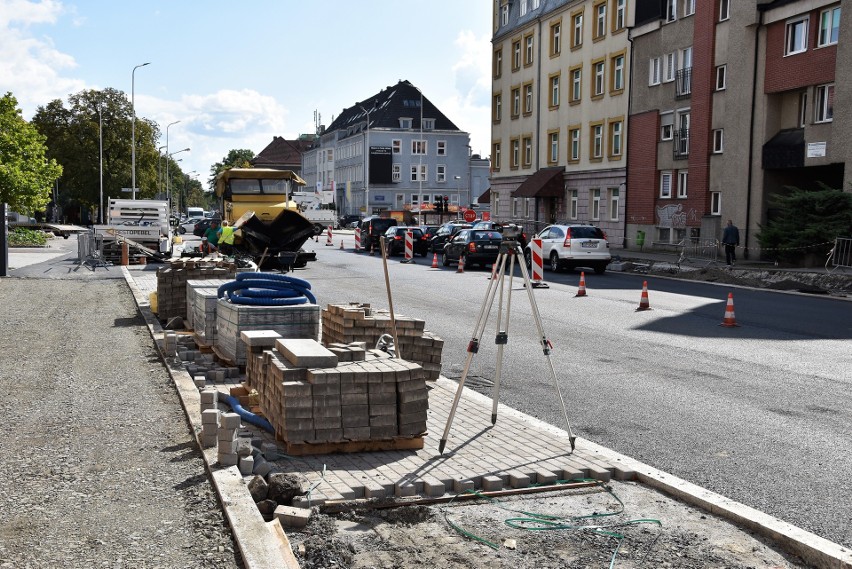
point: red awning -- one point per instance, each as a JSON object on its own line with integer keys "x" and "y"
{"x": 546, "y": 183}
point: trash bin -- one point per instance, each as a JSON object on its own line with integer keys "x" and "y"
{"x": 640, "y": 238}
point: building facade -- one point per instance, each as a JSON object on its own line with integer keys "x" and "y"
{"x": 395, "y": 152}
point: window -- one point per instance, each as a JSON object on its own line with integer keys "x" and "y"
{"x": 405, "y": 122}
{"x": 414, "y": 173}
{"x": 441, "y": 146}
{"x": 666, "y": 126}
{"x": 556, "y": 38}
{"x": 516, "y": 103}
{"x": 600, "y": 75}
{"x": 495, "y": 156}
{"x": 396, "y": 145}
{"x": 681, "y": 149}
{"x": 516, "y": 207}
{"x": 418, "y": 147}
{"x": 528, "y": 50}
{"x": 617, "y": 73}
{"x": 665, "y": 184}
{"x": 576, "y": 84}
{"x": 572, "y": 213}
{"x": 613, "y": 204}
{"x": 554, "y": 147}
{"x": 721, "y": 77}
{"x": 441, "y": 173}
{"x": 671, "y": 10}
{"x": 596, "y": 204}
{"x": 655, "y": 71}
{"x": 396, "y": 173}
{"x": 516, "y": 55}
{"x": 829, "y": 26}
{"x": 524, "y": 7}
{"x": 664, "y": 234}
{"x": 516, "y": 153}
{"x": 688, "y": 7}
{"x": 596, "y": 141}
{"x": 616, "y": 136}
{"x": 574, "y": 136}
{"x": 498, "y": 107}
{"x": 527, "y": 151}
{"x": 718, "y": 141}
{"x": 554, "y": 91}
{"x": 428, "y": 124}
{"x": 682, "y": 179}
{"x": 797, "y": 36}
{"x": 669, "y": 67}
{"x": 724, "y": 10}
{"x": 619, "y": 15}
{"x": 528, "y": 98}
{"x": 577, "y": 30}
{"x": 600, "y": 20}
{"x": 715, "y": 203}
{"x": 803, "y": 109}
{"x": 824, "y": 103}
{"x": 498, "y": 63}
{"x": 504, "y": 15}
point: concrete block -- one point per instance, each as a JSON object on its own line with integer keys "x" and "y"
{"x": 545, "y": 477}
{"x": 353, "y": 399}
{"x": 229, "y": 421}
{"x": 210, "y": 416}
{"x": 321, "y": 423}
{"x": 383, "y": 432}
{"x": 412, "y": 429}
{"x": 229, "y": 447}
{"x": 225, "y": 435}
{"x": 269, "y": 450}
{"x": 227, "y": 459}
{"x": 305, "y": 353}
{"x": 244, "y": 447}
{"x": 289, "y": 516}
{"x": 262, "y": 468}
{"x": 403, "y": 489}
{"x": 246, "y": 465}
{"x": 492, "y": 483}
{"x": 518, "y": 480}
{"x": 297, "y": 389}
{"x": 413, "y": 407}
{"x": 200, "y": 383}
{"x": 356, "y": 433}
{"x": 433, "y": 487}
{"x": 373, "y": 489}
{"x": 259, "y": 338}
{"x": 210, "y": 429}
{"x": 209, "y": 396}
{"x": 462, "y": 484}
{"x": 208, "y": 441}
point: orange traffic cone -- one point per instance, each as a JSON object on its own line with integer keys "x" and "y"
{"x": 644, "y": 303}
{"x": 730, "y": 320}
{"x": 582, "y": 290}
{"x": 461, "y": 265}
{"x": 341, "y": 244}
{"x": 435, "y": 261}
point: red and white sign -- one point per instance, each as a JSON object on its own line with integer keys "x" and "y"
{"x": 537, "y": 261}
{"x": 486, "y": 216}
{"x": 470, "y": 216}
{"x": 357, "y": 238}
{"x": 409, "y": 245}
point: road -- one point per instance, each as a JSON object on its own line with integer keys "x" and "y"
{"x": 760, "y": 413}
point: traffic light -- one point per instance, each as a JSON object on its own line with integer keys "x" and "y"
{"x": 446, "y": 204}
{"x": 438, "y": 205}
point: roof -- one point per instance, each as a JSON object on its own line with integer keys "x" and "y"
{"x": 485, "y": 197}
{"x": 282, "y": 153}
{"x": 388, "y": 106}
{"x": 546, "y": 183}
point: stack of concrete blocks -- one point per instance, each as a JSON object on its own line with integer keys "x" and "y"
{"x": 201, "y": 296}
{"x": 296, "y": 321}
{"x": 209, "y": 417}
{"x": 229, "y": 424}
{"x": 345, "y": 324}
{"x": 312, "y": 394}
{"x": 171, "y": 283}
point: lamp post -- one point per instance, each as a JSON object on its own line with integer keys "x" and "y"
{"x": 420, "y": 166}
{"x": 101, "y": 161}
{"x": 458, "y": 195}
{"x": 366, "y": 163}
{"x": 168, "y": 156}
{"x": 133, "y": 128}
{"x": 160, "y": 169}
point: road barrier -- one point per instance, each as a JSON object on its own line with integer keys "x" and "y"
{"x": 536, "y": 261}
{"x": 409, "y": 246}
{"x": 840, "y": 255}
{"x": 328, "y": 241}
{"x": 357, "y": 239}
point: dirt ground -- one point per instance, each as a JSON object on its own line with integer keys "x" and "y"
{"x": 587, "y": 528}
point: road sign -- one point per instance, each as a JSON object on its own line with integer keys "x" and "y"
{"x": 127, "y": 190}
{"x": 469, "y": 215}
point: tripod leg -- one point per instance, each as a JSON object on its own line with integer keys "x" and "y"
{"x": 546, "y": 347}
{"x": 500, "y": 339}
{"x": 472, "y": 348}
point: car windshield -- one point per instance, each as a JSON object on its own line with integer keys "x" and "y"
{"x": 485, "y": 235}
{"x": 586, "y": 232}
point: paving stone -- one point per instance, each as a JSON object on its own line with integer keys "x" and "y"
{"x": 246, "y": 465}
{"x": 492, "y": 483}
{"x": 210, "y": 416}
{"x": 518, "y": 479}
{"x": 289, "y": 516}
{"x": 263, "y": 468}
{"x": 404, "y": 489}
{"x": 462, "y": 485}
{"x": 306, "y": 353}
{"x": 227, "y": 459}
{"x": 433, "y": 487}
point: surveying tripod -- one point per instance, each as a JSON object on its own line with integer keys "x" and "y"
{"x": 509, "y": 251}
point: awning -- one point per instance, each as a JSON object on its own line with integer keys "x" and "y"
{"x": 784, "y": 150}
{"x": 546, "y": 183}
{"x": 485, "y": 197}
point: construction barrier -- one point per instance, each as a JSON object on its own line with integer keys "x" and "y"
{"x": 461, "y": 264}
{"x": 409, "y": 246}
{"x": 536, "y": 260}
{"x": 357, "y": 239}
{"x": 840, "y": 255}
{"x": 328, "y": 241}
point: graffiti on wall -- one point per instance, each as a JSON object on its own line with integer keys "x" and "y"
{"x": 674, "y": 216}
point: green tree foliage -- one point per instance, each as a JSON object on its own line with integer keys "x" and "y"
{"x": 73, "y": 141}
{"x": 26, "y": 175}
{"x": 803, "y": 219}
{"x": 235, "y": 159}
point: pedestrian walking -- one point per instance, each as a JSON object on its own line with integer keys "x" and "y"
{"x": 731, "y": 240}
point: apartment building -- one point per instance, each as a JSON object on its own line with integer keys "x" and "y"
{"x": 395, "y": 151}
{"x": 560, "y": 89}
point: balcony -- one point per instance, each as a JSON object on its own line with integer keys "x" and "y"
{"x": 681, "y": 143}
{"x": 683, "y": 83}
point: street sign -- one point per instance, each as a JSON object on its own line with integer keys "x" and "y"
{"x": 127, "y": 190}
{"x": 470, "y": 216}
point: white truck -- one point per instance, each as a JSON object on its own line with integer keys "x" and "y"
{"x": 310, "y": 206}
{"x": 145, "y": 222}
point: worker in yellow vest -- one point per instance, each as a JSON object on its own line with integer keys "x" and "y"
{"x": 226, "y": 239}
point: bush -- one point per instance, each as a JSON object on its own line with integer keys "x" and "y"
{"x": 21, "y": 237}
{"x": 802, "y": 221}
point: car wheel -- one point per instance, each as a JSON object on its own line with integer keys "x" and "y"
{"x": 600, "y": 269}
{"x": 445, "y": 260}
{"x": 554, "y": 261}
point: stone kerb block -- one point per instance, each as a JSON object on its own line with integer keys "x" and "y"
{"x": 306, "y": 353}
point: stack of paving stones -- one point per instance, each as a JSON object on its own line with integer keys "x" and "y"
{"x": 201, "y": 296}
{"x": 171, "y": 283}
{"x": 229, "y": 425}
{"x": 347, "y": 323}
{"x": 297, "y": 321}
{"x": 209, "y": 417}
{"x": 343, "y": 393}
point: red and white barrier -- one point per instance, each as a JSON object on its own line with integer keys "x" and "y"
{"x": 328, "y": 241}
{"x": 537, "y": 261}
{"x": 357, "y": 239}
{"x": 409, "y": 246}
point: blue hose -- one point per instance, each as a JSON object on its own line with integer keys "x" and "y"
{"x": 248, "y": 416}
{"x": 267, "y": 289}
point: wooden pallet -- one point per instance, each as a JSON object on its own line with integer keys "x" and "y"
{"x": 396, "y": 443}
{"x": 202, "y": 345}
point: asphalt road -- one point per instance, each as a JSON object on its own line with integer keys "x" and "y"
{"x": 760, "y": 413}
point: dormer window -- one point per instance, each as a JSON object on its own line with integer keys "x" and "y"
{"x": 428, "y": 124}
{"x": 405, "y": 122}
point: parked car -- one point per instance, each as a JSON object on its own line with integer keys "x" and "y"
{"x": 477, "y": 246}
{"x": 395, "y": 244}
{"x": 202, "y": 226}
{"x": 346, "y": 221}
{"x": 495, "y": 226}
{"x": 429, "y": 232}
{"x": 372, "y": 228}
{"x": 444, "y": 234}
{"x": 572, "y": 246}
{"x": 189, "y": 225}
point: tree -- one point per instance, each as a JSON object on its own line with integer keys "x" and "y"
{"x": 26, "y": 175}
{"x": 235, "y": 159}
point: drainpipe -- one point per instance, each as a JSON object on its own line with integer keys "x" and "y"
{"x": 751, "y": 135}
{"x": 538, "y": 122}
{"x": 626, "y": 153}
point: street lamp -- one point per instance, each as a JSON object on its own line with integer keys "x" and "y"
{"x": 458, "y": 194}
{"x": 101, "y": 160}
{"x": 168, "y": 196}
{"x": 133, "y": 128}
{"x": 367, "y": 163}
{"x": 160, "y": 169}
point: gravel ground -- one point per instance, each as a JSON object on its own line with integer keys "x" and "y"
{"x": 99, "y": 468}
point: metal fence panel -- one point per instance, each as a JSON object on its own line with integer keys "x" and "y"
{"x": 841, "y": 253}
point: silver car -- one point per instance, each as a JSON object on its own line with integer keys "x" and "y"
{"x": 572, "y": 246}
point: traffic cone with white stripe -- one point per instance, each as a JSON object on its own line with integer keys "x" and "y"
{"x": 730, "y": 320}
{"x": 461, "y": 264}
{"x": 582, "y": 290}
{"x": 644, "y": 302}
{"x": 435, "y": 261}
{"x": 341, "y": 244}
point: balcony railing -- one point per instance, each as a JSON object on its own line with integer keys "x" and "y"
{"x": 681, "y": 143}
{"x": 683, "y": 83}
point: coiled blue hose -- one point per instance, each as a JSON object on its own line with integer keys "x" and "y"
{"x": 267, "y": 289}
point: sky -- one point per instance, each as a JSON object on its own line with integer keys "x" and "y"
{"x": 237, "y": 73}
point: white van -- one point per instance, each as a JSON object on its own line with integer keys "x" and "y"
{"x": 194, "y": 212}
